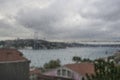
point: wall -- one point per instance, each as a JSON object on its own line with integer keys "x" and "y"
{"x": 75, "y": 75}
{"x": 14, "y": 71}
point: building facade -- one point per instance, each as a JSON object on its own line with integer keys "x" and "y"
{"x": 72, "y": 71}
{"x": 13, "y": 66}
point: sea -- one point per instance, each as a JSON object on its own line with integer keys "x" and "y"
{"x": 39, "y": 57}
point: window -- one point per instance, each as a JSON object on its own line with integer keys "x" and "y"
{"x": 69, "y": 74}
{"x": 59, "y": 72}
{"x": 63, "y": 72}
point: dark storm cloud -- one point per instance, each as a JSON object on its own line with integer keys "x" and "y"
{"x": 63, "y": 19}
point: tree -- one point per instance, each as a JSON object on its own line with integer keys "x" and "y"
{"x": 52, "y": 64}
{"x": 86, "y": 60}
{"x": 104, "y": 71}
{"x": 76, "y": 59}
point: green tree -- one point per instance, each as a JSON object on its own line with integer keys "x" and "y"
{"x": 104, "y": 71}
{"x": 76, "y": 59}
{"x": 86, "y": 60}
{"x": 52, "y": 64}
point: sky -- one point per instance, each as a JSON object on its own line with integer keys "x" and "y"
{"x": 67, "y": 20}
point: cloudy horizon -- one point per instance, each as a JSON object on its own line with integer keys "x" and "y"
{"x": 60, "y": 19}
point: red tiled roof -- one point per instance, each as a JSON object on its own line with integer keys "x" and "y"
{"x": 10, "y": 55}
{"x": 82, "y": 68}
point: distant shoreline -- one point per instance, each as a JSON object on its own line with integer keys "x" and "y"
{"x": 43, "y": 44}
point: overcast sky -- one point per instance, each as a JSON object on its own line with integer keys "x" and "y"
{"x": 60, "y": 19}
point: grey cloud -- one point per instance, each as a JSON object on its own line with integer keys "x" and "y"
{"x": 98, "y": 19}
{"x": 6, "y": 29}
{"x": 43, "y": 20}
{"x": 104, "y": 9}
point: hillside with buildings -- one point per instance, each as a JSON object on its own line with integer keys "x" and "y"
{"x": 44, "y": 44}
{"x": 31, "y": 44}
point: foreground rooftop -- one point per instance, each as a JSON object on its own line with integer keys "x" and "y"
{"x": 8, "y": 55}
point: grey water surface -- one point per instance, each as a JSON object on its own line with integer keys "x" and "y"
{"x": 40, "y": 57}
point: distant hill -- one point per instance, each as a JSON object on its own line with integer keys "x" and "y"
{"x": 43, "y": 44}
{"x": 31, "y": 43}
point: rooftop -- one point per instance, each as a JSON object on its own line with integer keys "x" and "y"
{"x": 82, "y": 68}
{"x": 7, "y": 55}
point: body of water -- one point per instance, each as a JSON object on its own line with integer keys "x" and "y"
{"x": 40, "y": 57}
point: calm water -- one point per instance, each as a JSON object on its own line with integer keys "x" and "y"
{"x": 39, "y": 57}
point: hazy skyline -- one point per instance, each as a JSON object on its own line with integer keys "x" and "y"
{"x": 60, "y": 19}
